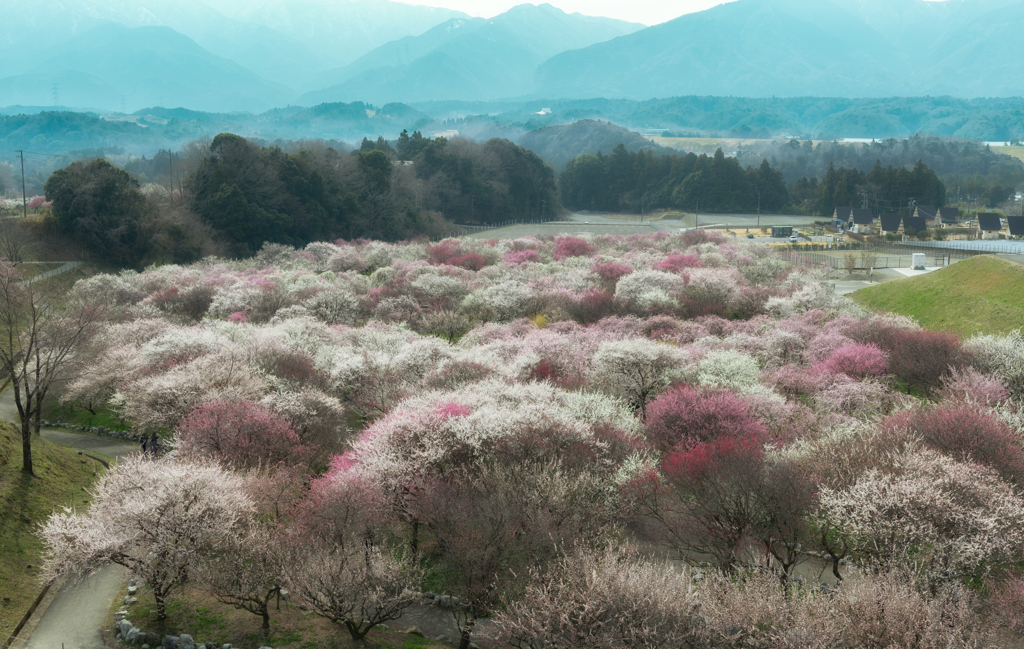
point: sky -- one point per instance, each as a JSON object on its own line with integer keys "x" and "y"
{"x": 648, "y": 12}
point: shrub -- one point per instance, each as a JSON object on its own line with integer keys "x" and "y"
{"x": 522, "y": 257}
{"x": 592, "y": 306}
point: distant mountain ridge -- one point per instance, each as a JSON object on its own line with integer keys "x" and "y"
{"x": 471, "y": 59}
{"x": 766, "y": 48}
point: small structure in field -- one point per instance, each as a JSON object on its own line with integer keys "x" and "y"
{"x": 781, "y": 231}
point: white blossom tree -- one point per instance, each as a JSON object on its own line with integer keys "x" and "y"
{"x": 636, "y": 369}
{"x": 156, "y": 518}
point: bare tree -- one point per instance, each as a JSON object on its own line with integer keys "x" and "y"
{"x": 12, "y": 240}
{"x": 40, "y": 330}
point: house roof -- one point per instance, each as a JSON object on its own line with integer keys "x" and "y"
{"x": 989, "y": 221}
{"x": 1016, "y": 224}
{"x": 844, "y": 213}
{"x": 927, "y": 211}
{"x": 862, "y": 216}
{"x": 949, "y": 214}
{"x": 890, "y": 221}
{"x": 918, "y": 223}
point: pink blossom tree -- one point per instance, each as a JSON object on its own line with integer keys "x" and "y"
{"x": 156, "y": 518}
{"x": 241, "y": 434}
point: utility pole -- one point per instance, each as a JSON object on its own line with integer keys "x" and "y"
{"x": 759, "y": 209}
{"x": 24, "y": 201}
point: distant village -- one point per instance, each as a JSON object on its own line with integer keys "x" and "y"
{"x": 986, "y": 225}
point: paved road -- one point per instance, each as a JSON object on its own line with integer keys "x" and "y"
{"x": 76, "y": 613}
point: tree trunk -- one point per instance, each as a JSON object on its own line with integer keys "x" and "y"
{"x": 26, "y": 449}
{"x": 161, "y": 605}
{"x": 266, "y": 618}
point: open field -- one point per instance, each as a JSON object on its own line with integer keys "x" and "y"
{"x": 1014, "y": 151}
{"x": 978, "y": 295}
{"x": 63, "y": 476}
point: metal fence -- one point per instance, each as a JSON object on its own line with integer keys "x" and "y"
{"x": 466, "y": 230}
{"x": 859, "y": 260}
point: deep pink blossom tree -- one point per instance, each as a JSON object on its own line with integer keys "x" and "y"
{"x": 683, "y": 417}
{"x": 241, "y": 434}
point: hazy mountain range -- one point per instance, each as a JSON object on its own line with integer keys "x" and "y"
{"x": 252, "y": 55}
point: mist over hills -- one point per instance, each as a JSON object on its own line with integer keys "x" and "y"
{"x": 766, "y": 48}
{"x": 144, "y": 66}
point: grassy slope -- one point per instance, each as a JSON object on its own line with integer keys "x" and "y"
{"x": 61, "y": 478}
{"x": 984, "y": 294}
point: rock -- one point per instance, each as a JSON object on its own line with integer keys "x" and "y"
{"x": 266, "y": 647}
{"x": 120, "y": 615}
{"x": 444, "y": 601}
{"x": 129, "y": 600}
{"x": 123, "y": 627}
{"x": 227, "y": 646}
{"x": 169, "y": 642}
{"x": 414, "y": 630}
{"x": 186, "y": 642}
{"x": 286, "y": 596}
{"x": 153, "y": 639}
{"x": 443, "y": 638}
{"x": 132, "y": 582}
{"x": 202, "y": 646}
{"x": 132, "y": 590}
{"x": 145, "y": 646}
{"x": 134, "y": 635}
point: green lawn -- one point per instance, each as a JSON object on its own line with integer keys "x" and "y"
{"x": 62, "y": 477}
{"x": 984, "y": 294}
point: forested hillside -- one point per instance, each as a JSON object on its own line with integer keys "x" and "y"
{"x": 230, "y": 195}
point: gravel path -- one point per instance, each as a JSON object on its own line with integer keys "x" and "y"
{"x": 72, "y": 618}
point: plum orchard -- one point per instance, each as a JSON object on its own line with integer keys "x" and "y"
{"x": 502, "y": 419}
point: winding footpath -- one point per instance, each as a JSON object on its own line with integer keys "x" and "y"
{"x": 74, "y": 616}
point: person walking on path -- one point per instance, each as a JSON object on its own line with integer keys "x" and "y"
{"x": 154, "y": 445}
{"x": 144, "y": 441}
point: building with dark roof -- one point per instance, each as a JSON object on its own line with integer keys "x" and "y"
{"x": 989, "y": 222}
{"x": 891, "y": 221}
{"x": 917, "y": 223}
{"x": 949, "y": 215}
{"x": 926, "y": 212}
{"x": 862, "y": 216}
{"x": 1016, "y": 225}
{"x": 844, "y": 214}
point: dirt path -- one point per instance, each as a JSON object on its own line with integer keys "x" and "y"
{"x": 73, "y": 617}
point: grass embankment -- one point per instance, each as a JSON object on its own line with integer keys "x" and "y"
{"x": 61, "y": 479}
{"x": 978, "y": 295}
